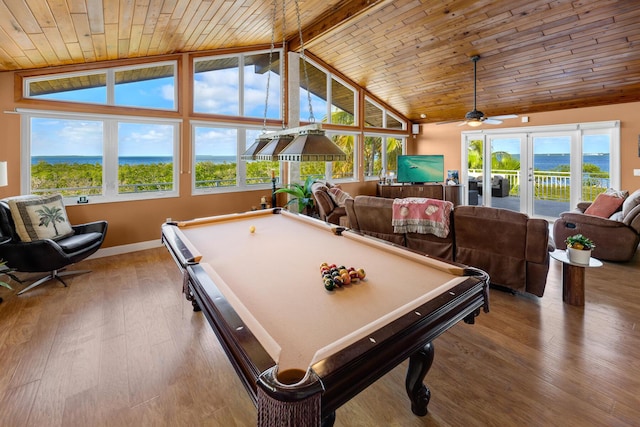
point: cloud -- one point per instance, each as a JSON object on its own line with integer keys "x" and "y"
{"x": 57, "y": 137}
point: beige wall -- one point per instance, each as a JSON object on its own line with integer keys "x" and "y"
{"x": 445, "y": 139}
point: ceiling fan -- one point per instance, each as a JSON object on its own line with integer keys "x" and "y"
{"x": 476, "y": 118}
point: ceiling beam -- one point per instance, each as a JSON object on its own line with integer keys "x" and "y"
{"x": 333, "y": 19}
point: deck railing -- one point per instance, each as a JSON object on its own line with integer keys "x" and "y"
{"x": 554, "y": 185}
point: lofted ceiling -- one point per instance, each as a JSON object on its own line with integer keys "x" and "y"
{"x": 415, "y": 55}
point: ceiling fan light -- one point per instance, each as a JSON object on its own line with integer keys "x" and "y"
{"x": 474, "y": 123}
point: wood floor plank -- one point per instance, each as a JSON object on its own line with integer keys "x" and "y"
{"x": 120, "y": 346}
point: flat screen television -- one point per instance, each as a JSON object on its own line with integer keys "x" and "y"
{"x": 418, "y": 169}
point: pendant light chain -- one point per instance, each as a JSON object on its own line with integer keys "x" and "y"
{"x": 272, "y": 48}
{"x": 284, "y": 49}
{"x": 312, "y": 119}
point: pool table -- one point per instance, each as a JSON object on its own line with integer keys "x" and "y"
{"x": 301, "y": 350}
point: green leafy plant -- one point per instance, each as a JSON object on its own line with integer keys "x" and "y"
{"x": 301, "y": 194}
{"x": 8, "y": 272}
{"x": 580, "y": 242}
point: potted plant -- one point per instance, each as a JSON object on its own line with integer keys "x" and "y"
{"x": 300, "y": 194}
{"x": 579, "y": 248}
{"x": 4, "y": 270}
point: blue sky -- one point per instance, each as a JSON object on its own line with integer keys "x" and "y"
{"x": 592, "y": 144}
{"x": 216, "y": 92}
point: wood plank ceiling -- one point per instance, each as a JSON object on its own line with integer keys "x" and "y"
{"x": 536, "y": 55}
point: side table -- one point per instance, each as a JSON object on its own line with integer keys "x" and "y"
{"x": 573, "y": 277}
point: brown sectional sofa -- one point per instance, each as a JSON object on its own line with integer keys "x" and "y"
{"x": 511, "y": 247}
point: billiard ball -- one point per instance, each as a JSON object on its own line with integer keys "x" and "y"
{"x": 252, "y": 229}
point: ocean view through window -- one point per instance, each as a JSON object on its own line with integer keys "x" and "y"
{"x": 101, "y": 157}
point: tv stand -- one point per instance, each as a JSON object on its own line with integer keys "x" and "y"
{"x": 452, "y": 193}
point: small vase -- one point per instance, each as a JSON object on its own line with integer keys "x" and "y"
{"x": 579, "y": 256}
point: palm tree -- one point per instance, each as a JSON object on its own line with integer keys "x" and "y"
{"x": 51, "y": 216}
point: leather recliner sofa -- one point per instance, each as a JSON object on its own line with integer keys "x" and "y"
{"x": 511, "y": 247}
{"x": 616, "y": 237}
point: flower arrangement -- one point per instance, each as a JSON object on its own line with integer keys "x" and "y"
{"x": 579, "y": 242}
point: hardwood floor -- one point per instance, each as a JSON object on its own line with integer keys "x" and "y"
{"x": 121, "y": 347}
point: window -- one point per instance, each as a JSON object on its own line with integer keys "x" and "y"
{"x": 235, "y": 85}
{"x": 335, "y": 171}
{"x": 105, "y": 158}
{"x": 143, "y": 86}
{"x": 373, "y": 157}
{"x": 375, "y": 115}
{"x": 379, "y": 162}
{"x": 348, "y": 142}
{"x": 332, "y": 100}
{"x": 217, "y": 149}
{"x": 145, "y": 157}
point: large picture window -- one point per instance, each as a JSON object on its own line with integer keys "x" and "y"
{"x": 332, "y": 100}
{"x": 216, "y": 163}
{"x": 143, "y": 86}
{"x": 235, "y": 85}
{"x": 103, "y": 158}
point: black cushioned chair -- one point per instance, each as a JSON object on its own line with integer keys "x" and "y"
{"x": 47, "y": 255}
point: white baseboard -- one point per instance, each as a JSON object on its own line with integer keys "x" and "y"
{"x": 124, "y": 249}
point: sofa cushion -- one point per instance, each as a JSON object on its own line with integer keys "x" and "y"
{"x": 604, "y": 205}
{"x": 38, "y": 218}
{"x": 339, "y": 197}
{"x": 79, "y": 241}
{"x": 617, "y": 193}
{"x": 630, "y": 202}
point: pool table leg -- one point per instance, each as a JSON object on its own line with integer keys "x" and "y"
{"x": 188, "y": 293}
{"x": 419, "y": 364}
{"x": 328, "y": 420}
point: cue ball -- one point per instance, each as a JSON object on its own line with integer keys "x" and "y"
{"x": 252, "y": 229}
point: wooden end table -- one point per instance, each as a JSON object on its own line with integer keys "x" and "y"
{"x": 573, "y": 277}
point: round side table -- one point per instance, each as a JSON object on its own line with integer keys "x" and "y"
{"x": 573, "y": 277}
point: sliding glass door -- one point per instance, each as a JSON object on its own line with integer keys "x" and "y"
{"x": 541, "y": 171}
{"x": 503, "y": 187}
{"x": 549, "y": 174}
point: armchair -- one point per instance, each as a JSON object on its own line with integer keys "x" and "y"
{"x": 328, "y": 205}
{"x": 500, "y": 186}
{"x": 47, "y": 255}
{"x": 616, "y": 237}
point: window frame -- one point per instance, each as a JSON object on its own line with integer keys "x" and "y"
{"x": 385, "y": 112}
{"x": 110, "y": 145}
{"x": 385, "y": 161}
{"x": 110, "y": 84}
{"x": 241, "y": 83}
{"x": 241, "y": 165}
{"x": 330, "y": 77}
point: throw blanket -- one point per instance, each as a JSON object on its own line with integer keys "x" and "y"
{"x": 420, "y": 215}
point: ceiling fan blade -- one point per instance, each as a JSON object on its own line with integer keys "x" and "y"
{"x": 504, "y": 117}
{"x": 492, "y": 121}
{"x": 448, "y": 121}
